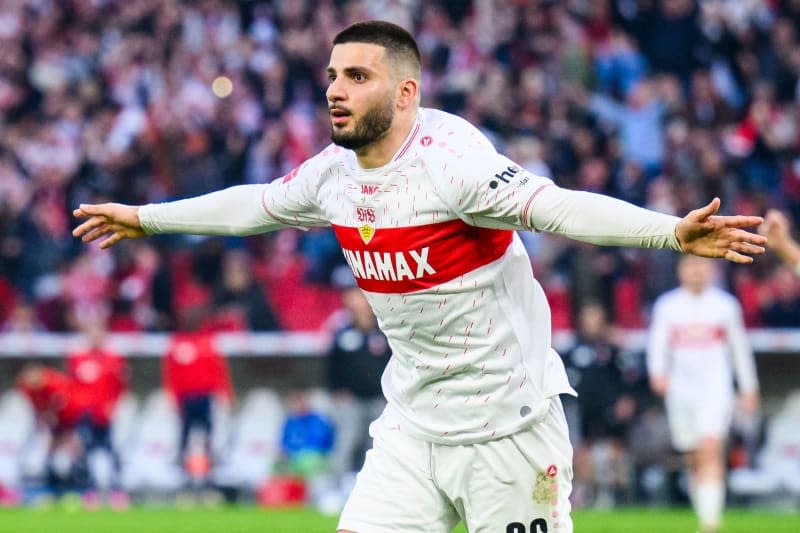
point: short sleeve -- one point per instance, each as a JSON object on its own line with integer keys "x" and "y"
{"x": 487, "y": 189}
{"x": 292, "y": 199}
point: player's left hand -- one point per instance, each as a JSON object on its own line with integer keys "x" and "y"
{"x": 704, "y": 233}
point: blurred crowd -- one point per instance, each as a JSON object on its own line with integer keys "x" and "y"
{"x": 662, "y": 103}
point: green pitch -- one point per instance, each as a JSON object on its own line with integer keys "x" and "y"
{"x": 249, "y": 519}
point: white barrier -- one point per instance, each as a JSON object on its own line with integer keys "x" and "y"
{"x": 308, "y": 344}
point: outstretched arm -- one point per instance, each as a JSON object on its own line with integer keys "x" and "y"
{"x": 600, "y": 219}
{"x": 776, "y": 229}
{"x": 233, "y": 211}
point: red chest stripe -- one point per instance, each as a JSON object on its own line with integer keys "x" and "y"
{"x": 696, "y": 336}
{"x": 414, "y": 258}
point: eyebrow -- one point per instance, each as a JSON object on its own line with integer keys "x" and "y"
{"x": 350, "y": 70}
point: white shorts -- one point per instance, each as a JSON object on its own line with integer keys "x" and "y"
{"x": 516, "y": 484}
{"x": 690, "y": 420}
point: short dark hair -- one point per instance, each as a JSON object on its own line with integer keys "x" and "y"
{"x": 398, "y": 42}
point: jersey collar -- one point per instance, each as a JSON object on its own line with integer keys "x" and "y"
{"x": 405, "y": 148}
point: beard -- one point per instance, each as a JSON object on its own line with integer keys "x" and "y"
{"x": 373, "y": 126}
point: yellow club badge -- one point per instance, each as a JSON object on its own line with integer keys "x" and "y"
{"x": 366, "y": 216}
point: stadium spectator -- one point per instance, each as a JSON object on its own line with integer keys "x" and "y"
{"x": 195, "y": 375}
{"x": 697, "y": 344}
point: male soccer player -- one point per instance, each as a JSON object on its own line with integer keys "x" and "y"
{"x": 697, "y": 343}
{"x": 424, "y": 209}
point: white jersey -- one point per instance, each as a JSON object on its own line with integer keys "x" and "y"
{"x": 698, "y": 341}
{"x": 430, "y": 239}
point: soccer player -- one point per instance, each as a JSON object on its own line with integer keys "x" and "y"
{"x": 195, "y": 375}
{"x": 697, "y": 343}
{"x": 776, "y": 228}
{"x": 101, "y": 376}
{"x": 424, "y": 209}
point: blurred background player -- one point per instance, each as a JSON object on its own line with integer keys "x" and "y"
{"x": 776, "y": 228}
{"x": 102, "y": 377}
{"x": 356, "y": 360}
{"x": 601, "y": 414}
{"x": 59, "y": 403}
{"x": 195, "y": 375}
{"x": 696, "y": 344}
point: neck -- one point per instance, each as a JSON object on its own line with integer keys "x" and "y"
{"x": 381, "y": 151}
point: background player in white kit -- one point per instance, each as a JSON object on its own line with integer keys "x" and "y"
{"x": 697, "y": 342}
{"x": 424, "y": 209}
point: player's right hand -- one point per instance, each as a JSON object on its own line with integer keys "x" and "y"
{"x": 118, "y": 221}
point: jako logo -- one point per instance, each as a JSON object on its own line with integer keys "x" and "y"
{"x": 389, "y": 266}
{"x": 369, "y": 190}
{"x": 504, "y": 176}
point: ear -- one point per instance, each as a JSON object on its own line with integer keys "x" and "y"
{"x": 407, "y": 93}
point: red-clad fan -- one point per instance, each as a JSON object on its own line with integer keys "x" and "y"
{"x": 194, "y": 374}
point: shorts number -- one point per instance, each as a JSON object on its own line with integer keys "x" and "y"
{"x": 537, "y": 526}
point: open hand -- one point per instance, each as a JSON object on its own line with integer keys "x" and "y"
{"x": 117, "y": 220}
{"x": 706, "y": 234}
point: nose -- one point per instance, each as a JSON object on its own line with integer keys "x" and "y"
{"x": 336, "y": 92}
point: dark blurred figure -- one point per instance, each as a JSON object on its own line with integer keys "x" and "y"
{"x": 195, "y": 374}
{"x": 602, "y": 412}
{"x": 356, "y": 360}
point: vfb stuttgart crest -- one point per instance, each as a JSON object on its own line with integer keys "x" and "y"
{"x": 366, "y": 219}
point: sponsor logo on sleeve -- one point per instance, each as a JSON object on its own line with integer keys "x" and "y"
{"x": 505, "y": 176}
